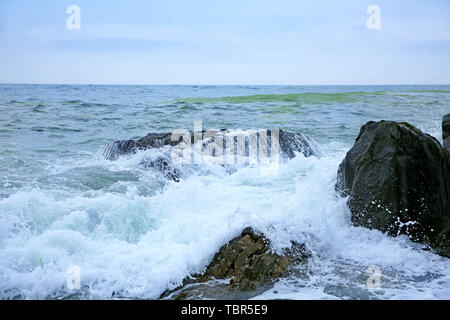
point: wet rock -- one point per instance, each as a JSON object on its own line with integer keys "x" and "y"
{"x": 119, "y": 148}
{"x": 398, "y": 181}
{"x": 163, "y": 165}
{"x": 446, "y": 131}
{"x": 123, "y": 147}
{"x": 249, "y": 265}
{"x": 247, "y": 261}
{"x": 155, "y": 140}
{"x": 290, "y": 144}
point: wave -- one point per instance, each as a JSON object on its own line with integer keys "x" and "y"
{"x": 133, "y": 245}
{"x": 307, "y": 97}
{"x": 299, "y": 97}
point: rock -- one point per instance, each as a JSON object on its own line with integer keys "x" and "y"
{"x": 248, "y": 263}
{"x": 164, "y": 166}
{"x": 119, "y": 148}
{"x": 123, "y": 147}
{"x": 155, "y": 140}
{"x": 291, "y": 142}
{"x": 446, "y": 131}
{"x": 398, "y": 181}
{"x": 3, "y": 196}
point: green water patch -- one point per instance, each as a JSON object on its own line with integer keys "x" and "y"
{"x": 6, "y": 152}
{"x": 431, "y": 91}
{"x": 282, "y": 109}
{"x": 307, "y": 98}
{"x": 416, "y": 94}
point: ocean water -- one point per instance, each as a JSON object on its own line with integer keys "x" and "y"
{"x": 134, "y": 234}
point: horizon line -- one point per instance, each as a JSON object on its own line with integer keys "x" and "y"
{"x": 209, "y": 85}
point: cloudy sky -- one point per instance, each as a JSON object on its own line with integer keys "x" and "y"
{"x": 225, "y": 42}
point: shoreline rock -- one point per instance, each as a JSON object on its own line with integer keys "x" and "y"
{"x": 290, "y": 142}
{"x": 446, "y": 131}
{"x": 249, "y": 265}
{"x": 398, "y": 181}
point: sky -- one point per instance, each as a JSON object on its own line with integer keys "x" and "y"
{"x": 225, "y": 42}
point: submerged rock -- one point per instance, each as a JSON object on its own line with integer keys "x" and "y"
{"x": 398, "y": 181}
{"x": 249, "y": 265}
{"x": 446, "y": 131}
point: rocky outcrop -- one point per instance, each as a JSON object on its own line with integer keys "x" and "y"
{"x": 398, "y": 181}
{"x": 165, "y": 166}
{"x": 290, "y": 143}
{"x": 446, "y": 131}
{"x": 247, "y": 262}
{"x": 119, "y": 148}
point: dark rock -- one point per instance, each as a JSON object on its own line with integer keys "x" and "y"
{"x": 290, "y": 143}
{"x": 3, "y": 196}
{"x": 124, "y": 147}
{"x": 155, "y": 140}
{"x": 446, "y": 131}
{"x": 398, "y": 181}
{"x": 119, "y": 148}
{"x": 248, "y": 263}
{"x": 165, "y": 167}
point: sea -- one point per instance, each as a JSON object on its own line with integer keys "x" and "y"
{"x": 75, "y": 225}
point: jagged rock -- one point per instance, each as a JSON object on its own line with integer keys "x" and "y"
{"x": 155, "y": 140}
{"x": 123, "y": 147}
{"x": 164, "y": 166}
{"x": 290, "y": 143}
{"x": 119, "y": 148}
{"x": 398, "y": 181}
{"x": 446, "y": 131}
{"x": 248, "y": 263}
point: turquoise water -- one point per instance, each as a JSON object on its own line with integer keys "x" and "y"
{"x": 135, "y": 234}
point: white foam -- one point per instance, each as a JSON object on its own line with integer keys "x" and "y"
{"x": 139, "y": 246}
